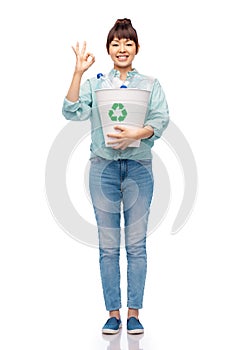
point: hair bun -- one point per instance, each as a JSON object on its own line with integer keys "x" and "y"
{"x": 123, "y": 22}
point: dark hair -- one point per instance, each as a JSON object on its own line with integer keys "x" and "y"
{"x": 122, "y": 29}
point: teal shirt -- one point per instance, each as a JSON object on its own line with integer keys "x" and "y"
{"x": 86, "y": 108}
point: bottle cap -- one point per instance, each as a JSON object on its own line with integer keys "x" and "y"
{"x": 99, "y": 75}
{"x": 123, "y": 86}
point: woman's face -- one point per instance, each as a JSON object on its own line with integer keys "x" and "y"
{"x": 122, "y": 52}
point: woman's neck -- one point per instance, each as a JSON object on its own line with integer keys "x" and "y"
{"x": 123, "y": 72}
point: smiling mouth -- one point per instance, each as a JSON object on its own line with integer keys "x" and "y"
{"x": 122, "y": 57}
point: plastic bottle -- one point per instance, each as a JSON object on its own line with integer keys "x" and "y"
{"x": 105, "y": 82}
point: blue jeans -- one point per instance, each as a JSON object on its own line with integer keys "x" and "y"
{"x": 122, "y": 186}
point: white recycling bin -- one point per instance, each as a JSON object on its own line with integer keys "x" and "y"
{"x": 127, "y": 107}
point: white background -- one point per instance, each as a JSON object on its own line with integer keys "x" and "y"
{"x": 50, "y": 292}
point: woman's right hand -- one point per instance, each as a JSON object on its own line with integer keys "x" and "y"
{"x": 84, "y": 59}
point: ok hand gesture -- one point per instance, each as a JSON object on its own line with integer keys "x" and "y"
{"x": 84, "y": 59}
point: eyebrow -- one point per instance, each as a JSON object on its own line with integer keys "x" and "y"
{"x": 118, "y": 40}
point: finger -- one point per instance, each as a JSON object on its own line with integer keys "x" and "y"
{"x": 83, "y": 50}
{"x": 114, "y": 136}
{"x": 119, "y": 127}
{"x": 92, "y": 60}
{"x": 120, "y": 146}
{"x": 115, "y": 142}
{"x": 76, "y": 48}
{"x": 88, "y": 55}
{"x": 117, "y": 147}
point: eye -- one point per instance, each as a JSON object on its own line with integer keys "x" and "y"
{"x": 114, "y": 44}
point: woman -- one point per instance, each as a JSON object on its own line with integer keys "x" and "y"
{"x": 119, "y": 174}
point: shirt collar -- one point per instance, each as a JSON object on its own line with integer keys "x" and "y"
{"x": 115, "y": 73}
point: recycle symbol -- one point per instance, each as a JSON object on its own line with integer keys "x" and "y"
{"x": 119, "y": 107}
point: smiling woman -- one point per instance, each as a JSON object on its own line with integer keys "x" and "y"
{"x": 121, "y": 173}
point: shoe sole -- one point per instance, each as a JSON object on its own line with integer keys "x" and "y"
{"x": 135, "y": 331}
{"x": 111, "y": 331}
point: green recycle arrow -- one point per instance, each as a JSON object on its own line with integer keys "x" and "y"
{"x": 115, "y": 107}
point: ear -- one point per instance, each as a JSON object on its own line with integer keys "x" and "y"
{"x": 138, "y": 49}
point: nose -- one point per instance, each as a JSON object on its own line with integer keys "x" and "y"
{"x": 122, "y": 48}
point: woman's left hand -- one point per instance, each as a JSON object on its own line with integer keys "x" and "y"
{"x": 124, "y": 137}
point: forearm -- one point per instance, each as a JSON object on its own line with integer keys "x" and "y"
{"x": 144, "y": 133}
{"x": 74, "y": 90}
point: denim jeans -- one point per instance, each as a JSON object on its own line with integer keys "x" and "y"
{"x": 122, "y": 186}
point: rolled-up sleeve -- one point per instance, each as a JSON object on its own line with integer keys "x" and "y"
{"x": 81, "y": 109}
{"x": 158, "y": 112}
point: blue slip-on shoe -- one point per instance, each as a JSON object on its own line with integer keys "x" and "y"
{"x": 112, "y": 326}
{"x": 134, "y": 326}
